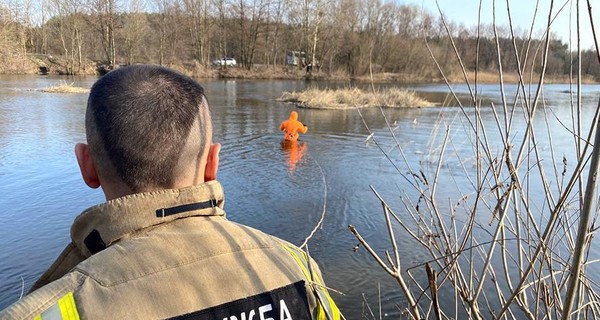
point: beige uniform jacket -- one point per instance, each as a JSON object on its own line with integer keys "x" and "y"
{"x": 173, "y": 254}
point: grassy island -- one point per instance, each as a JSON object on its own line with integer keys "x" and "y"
{"x": 65, "y": 88}
{"x": 351, "y": 98}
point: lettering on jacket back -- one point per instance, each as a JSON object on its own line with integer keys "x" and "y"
{"x": 285, "y": 303}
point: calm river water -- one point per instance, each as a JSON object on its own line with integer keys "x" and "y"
{"x": 279, "y": 191}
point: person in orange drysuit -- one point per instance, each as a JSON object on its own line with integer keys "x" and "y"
{"x": 291, "y": 127}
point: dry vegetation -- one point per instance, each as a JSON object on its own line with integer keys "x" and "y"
{"x": 351, "y": 98}
{"x": 65, "y": 88}
{"x": 509, "y": 235}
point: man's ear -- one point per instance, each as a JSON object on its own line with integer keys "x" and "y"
{"x": 212, "y": 162}
{"x": 86, "y": 165}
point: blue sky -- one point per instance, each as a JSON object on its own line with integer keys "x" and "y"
{"x": 522, "y": 12}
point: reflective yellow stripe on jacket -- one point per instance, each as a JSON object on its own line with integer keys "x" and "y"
{"x": 64, "y": 309}
{"x": 328, "y": 310}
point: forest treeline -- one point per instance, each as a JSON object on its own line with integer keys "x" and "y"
{"x": 346, "y": 37}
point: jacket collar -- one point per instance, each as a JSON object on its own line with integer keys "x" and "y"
{"x": 101, "y": 225}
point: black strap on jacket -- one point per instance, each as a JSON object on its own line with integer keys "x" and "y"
{"x": 165, "y": 212}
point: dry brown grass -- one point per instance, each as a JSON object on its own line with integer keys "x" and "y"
{"x": 193, "y": 69}
{"x": 350, "y": 98}
{"x": 65, "y": 88}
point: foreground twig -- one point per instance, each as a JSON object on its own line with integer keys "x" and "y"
{"x": 392, "y": 271}
{"x": 589, "y": 200}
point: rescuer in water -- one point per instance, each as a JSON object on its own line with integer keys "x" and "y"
{"x": 291, "y": 127}
{"x": 160, "y": 247}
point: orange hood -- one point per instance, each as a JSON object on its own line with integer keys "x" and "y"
{"x": 294, "y": 115}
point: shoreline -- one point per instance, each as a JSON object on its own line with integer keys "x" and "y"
{"x": 267, "y": 72}
{"x": 279, "y": 73}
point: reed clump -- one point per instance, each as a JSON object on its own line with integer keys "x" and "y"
{"x": 353, "y": 97}
{"x": 65, "y": 88}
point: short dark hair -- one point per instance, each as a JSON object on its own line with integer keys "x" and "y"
{"x": 138, "y": 124}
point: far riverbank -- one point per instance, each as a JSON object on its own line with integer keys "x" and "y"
{"x": 281, "y": 73}
{"x": 40, "y": 64}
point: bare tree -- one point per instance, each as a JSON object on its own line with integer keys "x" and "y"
{"x": 198, "y": 10}
{"x": 7, "y": 38}
{"x": 250, "y": 16}
{"x": 134, "y": 29}
{"x": 103, "y": 17}
{"x": 66, "y": 26}
{"x": 16, "y": 23}
{"x": 168, "y": 25}
{"x": 275, "y": 15}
